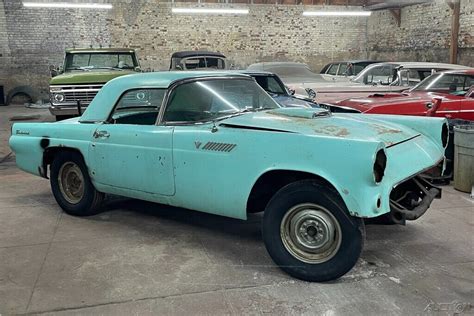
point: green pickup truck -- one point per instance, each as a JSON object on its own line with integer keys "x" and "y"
{"x": 83, "y": 74}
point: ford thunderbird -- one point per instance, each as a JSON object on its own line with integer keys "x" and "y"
{"x": 218, "y": 143}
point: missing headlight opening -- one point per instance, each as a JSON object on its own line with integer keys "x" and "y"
{"x": 379, "y": 165}
{"x": 444, "y": 135}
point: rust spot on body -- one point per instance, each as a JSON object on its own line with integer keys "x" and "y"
{"x": 384, "y": 130}
{"x": 332, "y": 130}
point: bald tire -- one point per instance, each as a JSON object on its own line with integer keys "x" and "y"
{"x": 315, "y": 192}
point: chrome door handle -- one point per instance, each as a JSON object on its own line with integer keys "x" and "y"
{"x": 101, "y": 134}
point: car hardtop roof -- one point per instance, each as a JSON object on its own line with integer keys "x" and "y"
{"x": 115, "y": 88}
{"x": 163, "y": 79}
{"x": 100, "y": 50}
{"x": 469, "y": 71}
{"x": 255, "y": 72}
{"x": 420, "y": 65}
{"x": 279, "y": 63}
{"x": 194, "y": 53}
{"x": 356, "y": 61}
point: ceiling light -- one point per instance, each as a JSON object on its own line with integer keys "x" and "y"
{"x": 337, "y": 13}
{"x": 210, "y": 11}
{"x": 67, "y": 5}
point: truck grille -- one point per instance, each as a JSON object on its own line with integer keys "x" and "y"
{"x": 72, "y": 94}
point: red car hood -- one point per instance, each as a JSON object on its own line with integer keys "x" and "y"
{"x": 388, "y": 99}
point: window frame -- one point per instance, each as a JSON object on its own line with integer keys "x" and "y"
{"x": 177, "y": 83}
{"x": 337, "y": 69}
{"x": 112, "y": 111}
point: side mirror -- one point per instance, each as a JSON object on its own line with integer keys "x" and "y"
{"x": 138, "y": 69}
{"x": 311, "y": 93}
{"x": 433, "y": 106}
{"x": 53, "y": 70}
{"x": 178, "y": 67}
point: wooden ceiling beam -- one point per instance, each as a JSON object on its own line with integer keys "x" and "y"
{"x": 397, "y": 14}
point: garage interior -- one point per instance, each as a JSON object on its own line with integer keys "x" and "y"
{"x": 143, "y": 258}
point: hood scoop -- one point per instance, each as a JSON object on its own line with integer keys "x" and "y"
{"x": 307, "y": 113}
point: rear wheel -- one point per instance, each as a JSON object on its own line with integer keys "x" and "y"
{"x": 72, "y": 187}
{"x": 309, "y": 233}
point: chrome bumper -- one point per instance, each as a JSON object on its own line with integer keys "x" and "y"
{"x": 64, "y": 110}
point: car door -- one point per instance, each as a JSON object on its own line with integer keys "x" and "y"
{"x": 132, "y": 152}
{"x": 467, "y": 106}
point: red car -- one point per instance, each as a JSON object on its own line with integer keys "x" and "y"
{"x": 448, "y": 93}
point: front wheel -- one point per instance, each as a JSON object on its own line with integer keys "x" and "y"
{"x": 72, "y": 188}
{"x": 309, "y": 233}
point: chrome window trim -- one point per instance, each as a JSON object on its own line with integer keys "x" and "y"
{"x": 179, "y": 82}
{"x": 112, "y": 111}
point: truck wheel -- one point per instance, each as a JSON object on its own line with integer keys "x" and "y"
{"x": 309, "y": 233}
{"x": 72, "y": 187}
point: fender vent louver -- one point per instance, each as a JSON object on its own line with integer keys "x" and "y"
{"x": 219, "y": 147}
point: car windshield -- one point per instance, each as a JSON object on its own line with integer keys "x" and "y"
{"x": 90, "y": 61}
{"x": 212, "y": 99}
{"x": 447, "y": 83}
{"x": 377, "y": 74}
{"x": 270, "y": 84}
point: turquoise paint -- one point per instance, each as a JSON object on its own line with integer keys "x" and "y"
{"x": 340, "y": 148}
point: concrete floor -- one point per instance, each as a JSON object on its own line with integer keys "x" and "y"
{"x": 143, "y": 258}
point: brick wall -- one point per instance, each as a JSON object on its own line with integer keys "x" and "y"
{"x": 33, "y": 39}
{"x": 38, "y": 37}
{"x": 424, "y": 33}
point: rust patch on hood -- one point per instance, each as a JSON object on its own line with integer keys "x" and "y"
{"x": 385, "y": 130}
{"x": 332, "y": 130}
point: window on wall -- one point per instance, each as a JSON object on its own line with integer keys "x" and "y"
{"x": 140, "y": 107}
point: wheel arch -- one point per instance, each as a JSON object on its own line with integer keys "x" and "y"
{"x": 271, "y": 181}
{"x": 51, "y": 152}
{"x": 22, "y": 90}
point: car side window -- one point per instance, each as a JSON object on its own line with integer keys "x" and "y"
{"x": 342, "y": 70}
{"x": 333, "y": 69}
{"x": 381, "y": 75}
{"x": 138, "y": 106}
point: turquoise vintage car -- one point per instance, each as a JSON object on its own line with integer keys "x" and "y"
{"x": 217, "y": 143}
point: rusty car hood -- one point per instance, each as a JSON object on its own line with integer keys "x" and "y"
{"x": 316, "y": 122}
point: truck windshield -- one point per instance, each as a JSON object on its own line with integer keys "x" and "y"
{"x": 88, "y": 61}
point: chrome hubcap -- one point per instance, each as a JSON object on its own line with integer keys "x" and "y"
{"x": 71, "y": 182}
{"x": 310, "y": 233}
